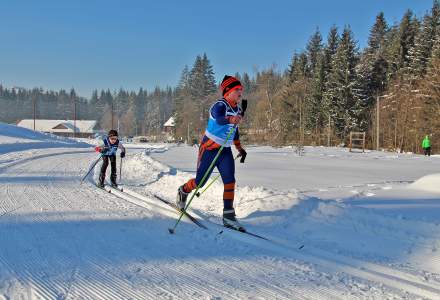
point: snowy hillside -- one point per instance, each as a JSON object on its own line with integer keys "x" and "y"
{"x": 369, "y": 224}
{"x": 14, "y": 141}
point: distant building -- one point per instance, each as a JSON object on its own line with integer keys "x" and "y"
{"x": 168, "y": 128}
{"x": 68, "y": 128}
{"x": 169, "y": 125}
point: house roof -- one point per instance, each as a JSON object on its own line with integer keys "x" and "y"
{"x": 170, "y": 122}
{"x": 85, "y": 126}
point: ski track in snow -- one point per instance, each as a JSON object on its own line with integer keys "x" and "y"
{"x": 48, "y": 197}
{"x": 368, "y": 271}
{"x": 61, "y": 240}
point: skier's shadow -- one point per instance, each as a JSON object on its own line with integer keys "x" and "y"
{"x": 93, "y": 247}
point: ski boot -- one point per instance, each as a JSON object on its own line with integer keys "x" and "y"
{"x": 113, "y": 180}
{"x": 230, "y": 221}
{"x": 181, "y": 198}
{"x": 101, "y": 181}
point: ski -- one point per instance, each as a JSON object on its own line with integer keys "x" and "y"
{"x": 197, "y": 222}
{"x": 108, "y": 188}
{"x": 178, "y": 210}
{"x": 104, "y": 188}
{"x": 117, "y": 188}
{"x": 242, "y": 230}
{"x": 245, "y": 231}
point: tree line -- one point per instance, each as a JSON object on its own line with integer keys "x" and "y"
{"x": 134, "y": 113}
{"x": 389, "y": 90}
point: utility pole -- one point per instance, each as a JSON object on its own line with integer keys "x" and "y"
{"x": 187, "y": 134}
{"x": 301, "y": 135}
{"x": 377, "y": 123}
{"x": 74, "y": 117}
{"x": 34, "y": 104}
{"x": 112, "y": 116}
{"x": 329, "y": 130}
{"x": 378, "y": 116}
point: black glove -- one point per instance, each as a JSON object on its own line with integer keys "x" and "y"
{"x": 123, "y": 154}
{"x": 242, "y": 153}
{"x": 243, "y": 106}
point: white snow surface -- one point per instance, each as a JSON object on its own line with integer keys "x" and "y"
{"x": 369, "y": 224}
{"x": 429, "y": 183}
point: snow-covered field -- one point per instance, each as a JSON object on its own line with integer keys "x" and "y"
{"x": 369, "y": 224}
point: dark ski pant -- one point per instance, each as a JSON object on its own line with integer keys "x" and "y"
{"x": 104, "y": 166}
{"x": 225, "y": 165}
{"x": 427, "y": 151}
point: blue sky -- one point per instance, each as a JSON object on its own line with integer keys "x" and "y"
{"x": 131, "y": 44}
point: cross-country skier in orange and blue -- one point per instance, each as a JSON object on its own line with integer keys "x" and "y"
{"x": 224, "y": 115}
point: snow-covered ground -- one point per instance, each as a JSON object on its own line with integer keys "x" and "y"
{"x": 369, "y": 224}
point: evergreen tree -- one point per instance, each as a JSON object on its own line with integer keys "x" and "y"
{"x": 299, "y": 67}
{"x": 322, "y": 84}
{"x": 201, "y": 78}
{"x": 202, "y": 88}
{"x": 376, "y": 40}
{"x": 315, "y": 108}
{"x": 331, "y": 47}
{"x": 424, "y": 42}
{"x": 409, "y": 28}
{"x": 314, "y": 48}
{"x": 290, "y": 110}
{"x": 210, "y": 86}
{"x": 343, "y": 86}
{"x": 372, "y": 69}
{"x": 181, "y": 102}
{"x": 247, "y": 83}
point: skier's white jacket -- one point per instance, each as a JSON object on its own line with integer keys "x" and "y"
{"x": 218, "y": 123}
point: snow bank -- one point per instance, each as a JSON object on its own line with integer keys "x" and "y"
{"x": 428, "y": 183}
{"x": 335, "y": 226}
{"x": 17, "y": 143}
{"x": 148, "y": 148}
{"x": 11, "y": 133}
{"x": 14, "y": 138}
{"x": 138, "y": 170}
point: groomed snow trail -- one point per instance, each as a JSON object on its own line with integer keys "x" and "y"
{"x": 62, "y": 240}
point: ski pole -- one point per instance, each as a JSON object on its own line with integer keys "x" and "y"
{"x": 213, "y": 180}
{"x": 211, "y": 166}
{"x": 120, "y": 172}
{"x": 91, "y": 168}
